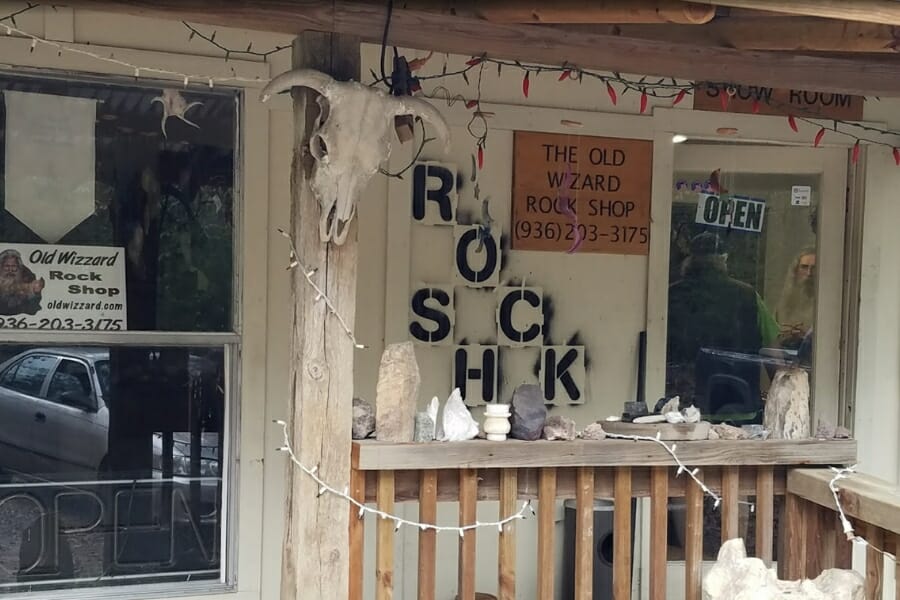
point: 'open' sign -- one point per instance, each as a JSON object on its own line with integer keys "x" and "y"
{"x": 731, "y": 212}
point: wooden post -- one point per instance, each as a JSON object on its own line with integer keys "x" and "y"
{"x": 316, "y": 539}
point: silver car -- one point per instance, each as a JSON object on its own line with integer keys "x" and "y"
{"x": 55, "y": 421}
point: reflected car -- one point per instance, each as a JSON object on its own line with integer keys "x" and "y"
{"x": 56, "y": 420}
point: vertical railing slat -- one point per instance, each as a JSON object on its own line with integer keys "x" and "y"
{"x": 693, "y": 548}
{"x": 765, "y": 513}
{"x": 622, "y": 535}
{"x": 874, "y": 563}
{"x": 792, "y": 553}
{"x": 384, "y": 544}
{"x": 730, "y": 503}
{"x": 509, "y": 494}
{"x": 357, "y": 534}
{"x": 468, "y": 505}
{"x": 584, "y": 533}
{"x": 428, "y": 483}
{"x": 546, "y": 558}
{"x": 659, "y": 539}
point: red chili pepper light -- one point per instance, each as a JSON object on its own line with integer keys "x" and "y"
{"x": 612, "y": 93}
{"x": 565, "y": 75}
{"x": 480, "y": 158}
{"x": 473, "y": 61}
{"x": 897, "y": 156}
{"x": 723, "y": 99}
{"x": 792, "y": 122}
{"x": 755, "y": 106}
{"x": 854, "y": 157}
{"x": 819, "y": 137}
{"x": 526, "y": 84}
{"x": 679, "y": 97}
{"x": 643, "y": 101}
{"x": 471, "y": 103}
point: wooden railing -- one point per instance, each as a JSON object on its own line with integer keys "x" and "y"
{"x": 511, "y": 471}
{"x": 871, "y": 505}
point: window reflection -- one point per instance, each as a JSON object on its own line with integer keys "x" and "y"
{"x": 111, "y": 464}
{"x": 741, "y": 303}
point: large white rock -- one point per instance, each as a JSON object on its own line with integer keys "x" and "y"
{"x": 787, "y": 405}
{"x": 737, "y": 577}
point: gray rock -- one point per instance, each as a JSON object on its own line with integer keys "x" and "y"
{"x": 528, "y": 413}
{"x": 594, "y": 431}
{"x": 756, "y": 432}
{"x": 727, "y": 432}
{"x": 558, "y": 427}
{"x": 363, "y": 419}
{"x": 827, "y": 431}
{"x": 424, "y": 427}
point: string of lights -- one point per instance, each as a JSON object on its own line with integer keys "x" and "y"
{"x": 616, "y": 84}
{"x": 841, "y": 474}
{"x": 230, "y": 52}
{"x": 399, "y": 522}
{"x": 682, "y": 468}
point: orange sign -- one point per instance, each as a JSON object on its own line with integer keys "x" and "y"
{"x": 581, "y": 193}
{"x": 771, "y": 101}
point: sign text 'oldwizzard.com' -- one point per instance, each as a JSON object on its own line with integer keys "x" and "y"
{"x": 79, "y": 288}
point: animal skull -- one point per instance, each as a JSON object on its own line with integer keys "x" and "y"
{"x": 351, "y": 139}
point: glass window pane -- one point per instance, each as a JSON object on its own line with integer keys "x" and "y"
{"x": 98, "y": 165}
{"x": 129, "y": 486}
{"x": 31, "y": 373}
{"x": 741, "y": 302}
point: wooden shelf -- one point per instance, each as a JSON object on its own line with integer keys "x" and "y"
{"x": 383, "y": 456}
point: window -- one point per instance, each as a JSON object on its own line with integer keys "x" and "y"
{"x": 30, "y": 374}
{"x": 71, "y": 385}
{"x": 117, "y": 230}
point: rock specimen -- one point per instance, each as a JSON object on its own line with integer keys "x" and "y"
{"x": 787, "y": 405}
{"x": 363, "y": 419}
{"x": 558, "y": 427}
{"x": 727, "y": 432}
{"x": 827, "y": 431}
{"x": 736, "y": 577}
{"x": 528, "y": 413}
{"x": 650, "y": 419}
{"x": 424, "y": 427}
{"x": 594, "y": 431}
{"x": 632, "y": 410}
{"x": 396, "y": 394}
{"x": 691, "y": 414}
{"x": 457, "y": 424}
{"x": 671, "y": 406}
{"x": 426, "y": 422}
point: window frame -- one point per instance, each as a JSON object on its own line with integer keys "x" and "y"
{"x": 248, "y": 166}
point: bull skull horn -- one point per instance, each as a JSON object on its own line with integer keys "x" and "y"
{"x": 425, "y": 111}
{"x": 312, "y": 79}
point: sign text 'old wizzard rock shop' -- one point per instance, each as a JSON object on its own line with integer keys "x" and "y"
{"x": 589, "y": 192}
{"x": 78, "y": 288}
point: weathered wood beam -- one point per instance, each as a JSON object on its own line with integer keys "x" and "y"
{"x": 799, "y": 34}
{"x": 316, "y": 560}
{"x": 886, "y": 12}
{"x": 537, "y": 43}
{"x": 595, "y": 11}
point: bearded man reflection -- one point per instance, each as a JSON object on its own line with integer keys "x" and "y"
{"x": 796, "y": 309}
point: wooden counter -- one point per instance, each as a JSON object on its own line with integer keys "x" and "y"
{"x": 381, "y": 456}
